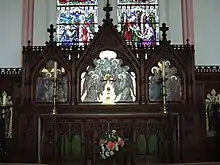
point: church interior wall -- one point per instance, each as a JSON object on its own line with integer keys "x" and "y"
{"x": 44, "y": 15}
{"x": 10, "y": 32}
{"x": 206, "y": 32}
{"x": 170, "y": 13}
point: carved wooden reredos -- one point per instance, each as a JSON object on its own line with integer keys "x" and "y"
{"x": 141, "y": 61}
{"x": 131, "y": 72}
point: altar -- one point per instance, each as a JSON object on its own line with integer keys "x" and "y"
{"x": 74, "y": 138}
{"x": 138, "y": 99}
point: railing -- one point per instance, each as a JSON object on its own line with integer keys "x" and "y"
{"x": 207, "y": 69}
{"x": 198, "y": 69}
{"x": 10, "y": 71}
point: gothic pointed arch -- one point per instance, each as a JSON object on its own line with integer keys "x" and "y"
{"x": 108, "y": 60}
{"x": 108, "y": 38}
{"x": 108, "y": 79}
{"x": 164, "y": 63}
{"x": 51, "y": 51}
{"x": 43, "y": 70}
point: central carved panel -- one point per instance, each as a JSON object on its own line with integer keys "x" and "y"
{"x": 108, "y": 81}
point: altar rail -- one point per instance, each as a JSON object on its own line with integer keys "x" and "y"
{"x": 74, "y": 138}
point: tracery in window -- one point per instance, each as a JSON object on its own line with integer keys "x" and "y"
{"x": 77, "y": 21}
{"x": 139, "y": 21}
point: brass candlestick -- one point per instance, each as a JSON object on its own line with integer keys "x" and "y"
{"x": 54, "y": 95}
{"x": 164, "y": 101}
{"x": 55, "y": 89}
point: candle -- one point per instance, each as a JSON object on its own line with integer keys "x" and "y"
{"x": 163, "y": 69}
{"x": 55, "y": 69}
{"x": 4, "y": 100}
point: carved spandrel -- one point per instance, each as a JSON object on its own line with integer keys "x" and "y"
{"x": 154, "y": 128}
{"x": 120, "y": 86}
{"x": 44, "y": 84}
{"x": 101, "y": 127}
{"x": 172, "y": 83}
{"x": 75, "y": 128}
{"x": 126, "y": 130}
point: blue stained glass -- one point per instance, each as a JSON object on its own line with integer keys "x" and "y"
{"x": 139, "y": 21}
{"x": 76, "y": 24}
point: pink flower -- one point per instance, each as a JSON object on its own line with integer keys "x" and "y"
{"x": 110, "y": 146}
{"x": 121, "y": 142}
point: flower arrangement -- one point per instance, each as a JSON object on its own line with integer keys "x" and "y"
{"x": 110, "y": 143}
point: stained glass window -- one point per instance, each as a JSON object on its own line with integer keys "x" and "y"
{"x": 139, "y": 21}
{"x": 77, "y": 21}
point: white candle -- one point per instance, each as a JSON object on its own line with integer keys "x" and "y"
{"x": 55, "y": 69}
{"x": 163, "y": 69}
{"x": 4, "y": 100}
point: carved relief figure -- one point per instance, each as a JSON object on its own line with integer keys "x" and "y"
{"x": 62, "y": 88}
{"x": 172, "y": 82}
{"x": 93, "y": 87}
{"x": 212, "y": 109}
{"x": 44, "y": 89}
{"x": 6, "y": 114}
{"x": 108, "y": 81}
{"x": 155, "y": 87}
{"x": 8, "y": 124}
{"x": 124, "y": 87}
{"x": 44, "y": 84}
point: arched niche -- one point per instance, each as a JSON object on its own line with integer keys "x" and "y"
{"x": 44, "y": 83}
{"x": 108, "y": 80}
{"x": 212, "y": 112}
{"x": 164, "y": 71}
